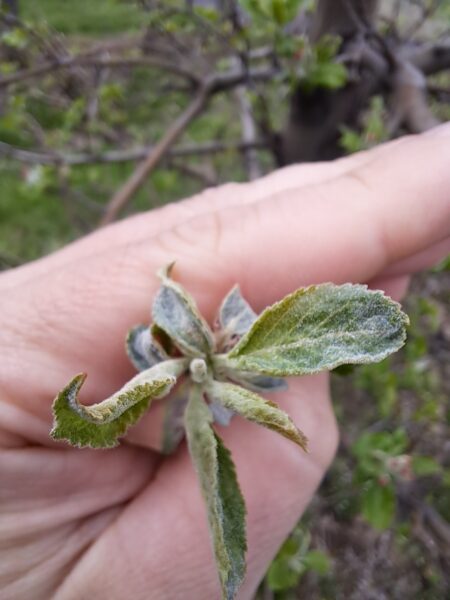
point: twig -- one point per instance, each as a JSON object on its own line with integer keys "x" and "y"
{"x": 427, "y": 12}
{"x": 249, "y": 134}
{"x": 89, "y": 60}
{"x": 409, "y": 107}
{"x": 205, "y": 175}
{"x": 430, "y": 59}
{"x": 120, "y": 156}
{"x": 126, "y": 192}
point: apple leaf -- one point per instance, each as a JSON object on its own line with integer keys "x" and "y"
{"x": 176, "y": 313}
{"x": 221, "y": 492}
{"x": 318, "y": 328}
{"x": 235, "y": 313}
{"x": 100, "y": 425}
{"x": 256, "y": 409}
{"x": 142, "y": 349}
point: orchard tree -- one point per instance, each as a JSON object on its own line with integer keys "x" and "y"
{"x": 310, "y": 80}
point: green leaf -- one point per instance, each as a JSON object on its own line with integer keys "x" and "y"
{"x": 288, "y": 566}
{"x": 425, "y": 465}
{"x": 318, "y": 328}
{"x": 257, "y": 409}
{"x": 143, "y": 351}
{"x": 317, "y": 561}
{"x": 100, "y": 425}
{"x": 176, "y": 313}
{"x": 220, "y": 489}
{"x": 284, "y": 574}
{"x": 280, "y": 11}
{"x": 378, "y": 504}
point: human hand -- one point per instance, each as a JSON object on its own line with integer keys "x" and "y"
{"x": 126, "y": 522}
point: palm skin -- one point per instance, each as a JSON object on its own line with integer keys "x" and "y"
{"x": 126, "y": 522}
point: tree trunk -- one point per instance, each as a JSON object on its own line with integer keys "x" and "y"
{"x": 316, "y": 116}
{"x": 342, "y": 17}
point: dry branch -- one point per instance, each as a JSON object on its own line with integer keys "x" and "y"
{"x": 126, "y": 192}
{"x": 88, "y": 60}
{"x": 121, "y": 156}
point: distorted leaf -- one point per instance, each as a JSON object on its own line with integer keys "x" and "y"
{"x": 162, "y": 340}
{"x": 257, "y": 409}
{"x": 221, "y": 415}
{"x": 100, "y": 425}
{"x": 221, "y": 492}
{"x": 173, "y": 423}
{"x": 176, "y": 313}
{"x": 318, "y": 328}
{"x": 235, "y": 314}
{"x": 142, "y": 349}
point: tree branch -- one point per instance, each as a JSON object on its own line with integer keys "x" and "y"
{"x": 126, "y": 192}
{"x": 90, "y": 60}
{"x": 120, "y": 156}
{"x": 409, "y": 107}
{"x": 429, "y": 59}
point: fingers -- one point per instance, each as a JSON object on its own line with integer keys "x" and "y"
{"x": 349, "y": 228}
{"x": 272, "y": 472}
{"x": 142, "y": 227}
{"x": 54, "y": 505}
{"x": 421, "y": 260}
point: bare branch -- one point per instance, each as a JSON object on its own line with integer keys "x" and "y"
{"x": 89, "y": 60}
{"x": 408, "y": 105}
{"x": 120, "y": 156}
{"x": 205, "y": 173}
{"x": 126, "y": 192}
{"x": 429, "y": 59}
{"x": 426, "y": 13}
{"x": 249, "y": 133}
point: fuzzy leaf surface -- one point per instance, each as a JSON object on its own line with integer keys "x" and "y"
{"x": 173, "y": 423}
{"x": 235, "y": 314}
{"x": 256, "y": 409}
{"x": 143, "y": 351}
{"x": 319, "y": 328}
{"x": 176, "y": 313}
{"x": 258, "y": 383}
{"x": 221, "y": 492}
{"x": 221, "y": 415}
{"x": 100, "y": 425}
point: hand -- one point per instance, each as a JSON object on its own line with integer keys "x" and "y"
{"x": 127, "y": 523}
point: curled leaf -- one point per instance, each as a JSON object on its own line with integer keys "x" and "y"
{"x": 173, "y": 423}
{"x": 256, "y": 409}
{"x": 161, "y": 339}
{"x": 235, "y": 314}
{"x": 100, "y": 425}
{"x": 318, "y": 328}
{"x": 221, "y": 492}
{"x": 176, "y": 313}
{"x": 143, "y": 351}
{"x": 221, "y": 415}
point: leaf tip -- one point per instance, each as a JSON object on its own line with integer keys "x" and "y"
{"x": 166, "y": 271}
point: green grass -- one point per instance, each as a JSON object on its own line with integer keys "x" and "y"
{"x": 31, "y": 223}
{"x": 99, "y": 17}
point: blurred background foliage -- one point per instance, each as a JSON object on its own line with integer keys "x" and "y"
{"x": 88, "y": 89}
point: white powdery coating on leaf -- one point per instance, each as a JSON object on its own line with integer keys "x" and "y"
{"x": 319, "y": 328}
